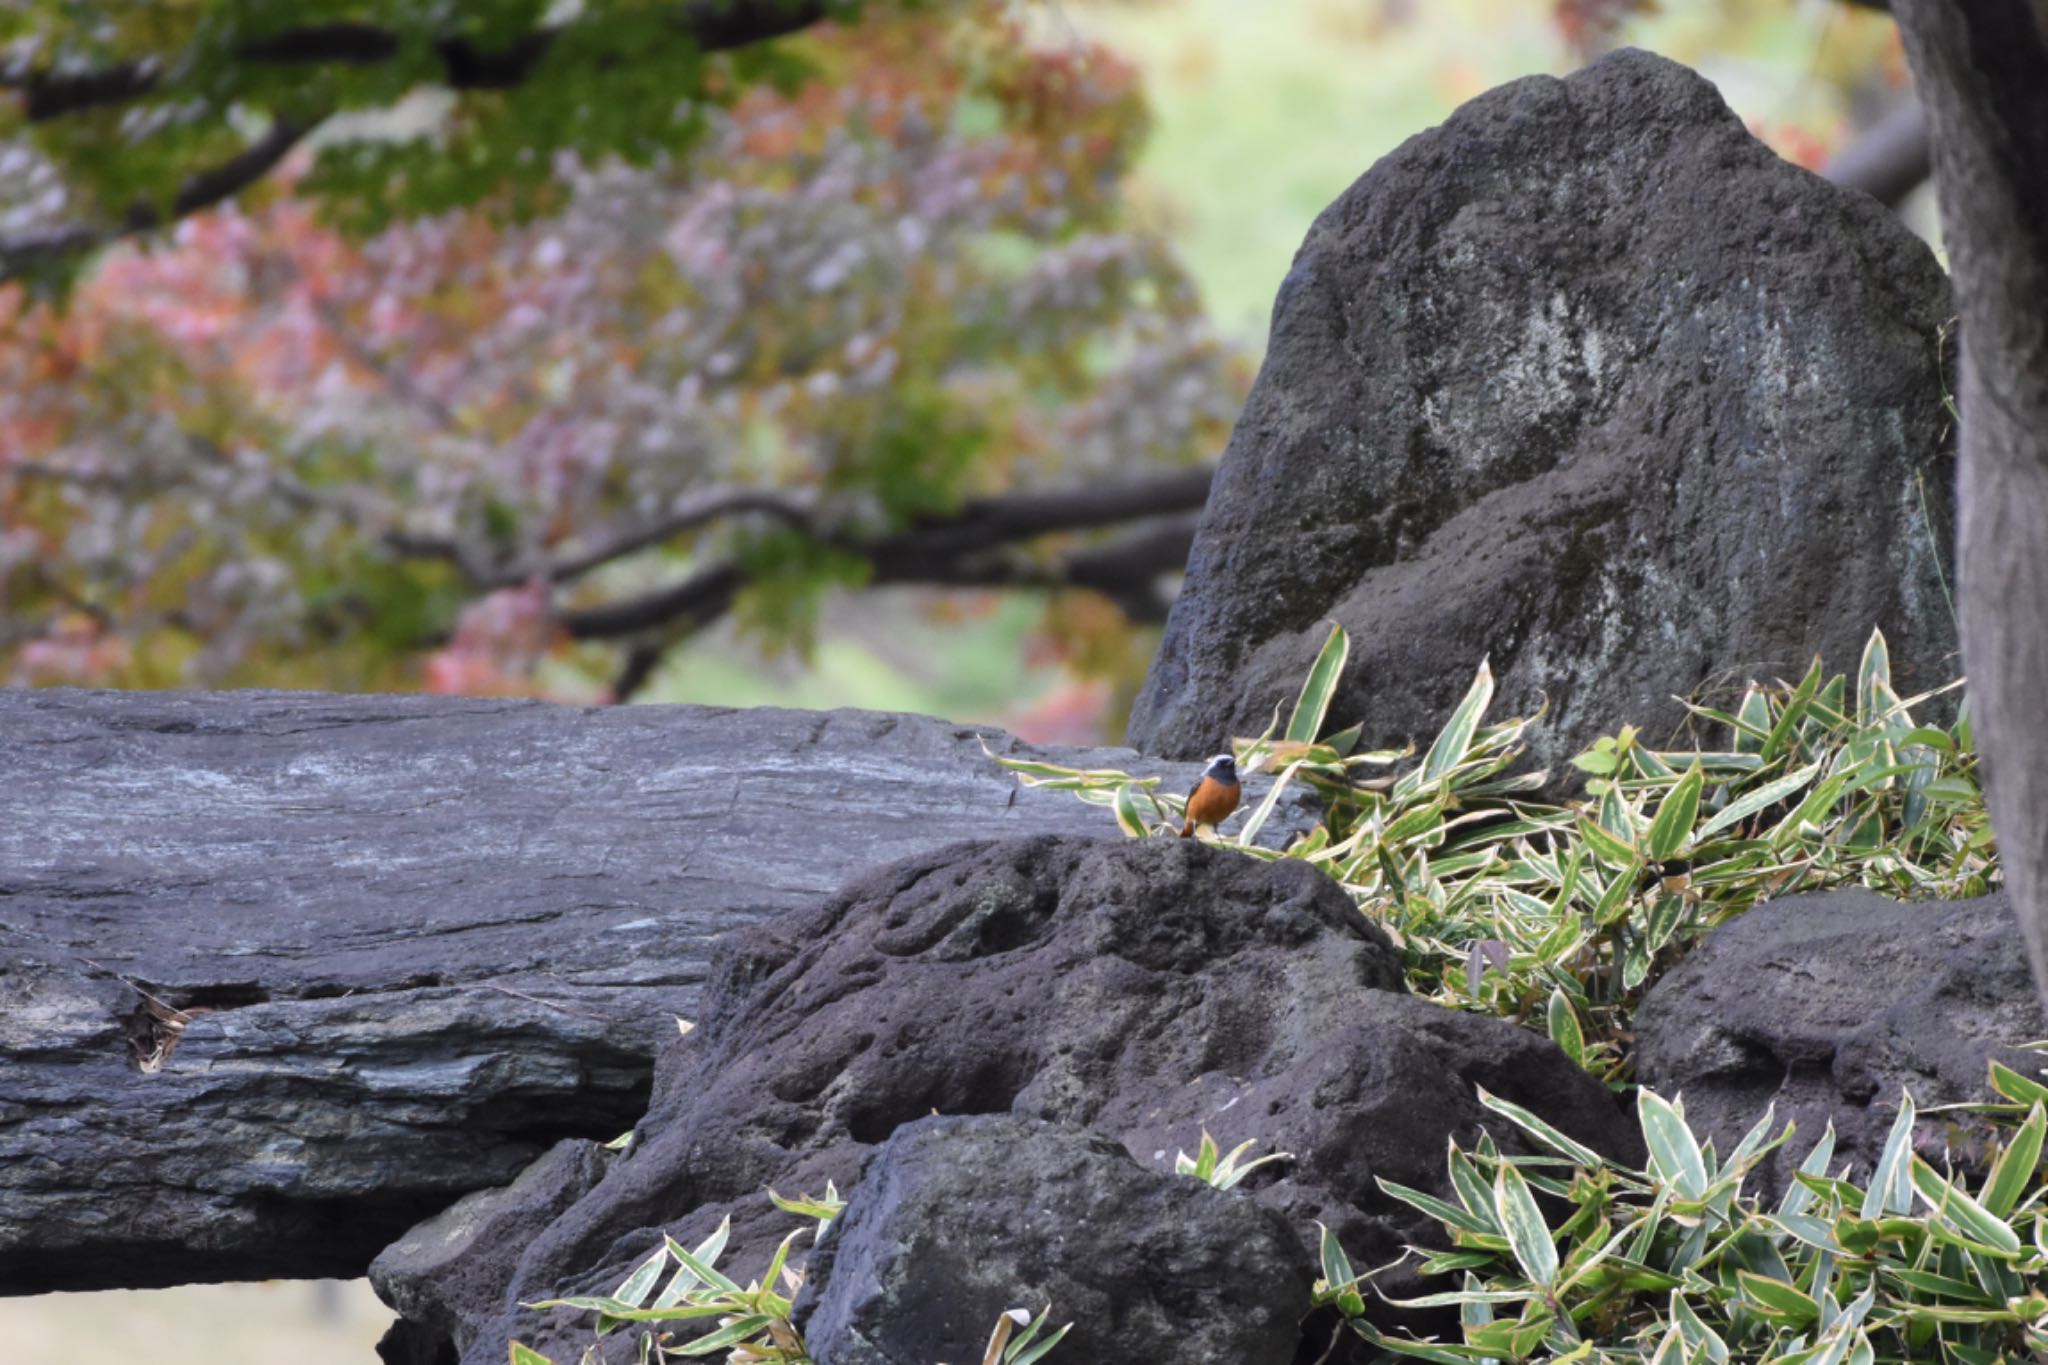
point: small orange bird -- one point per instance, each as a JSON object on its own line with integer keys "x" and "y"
{"x": 1215, "y": 795}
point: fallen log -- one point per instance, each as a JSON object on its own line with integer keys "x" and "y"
{"x": 281, "y": 974}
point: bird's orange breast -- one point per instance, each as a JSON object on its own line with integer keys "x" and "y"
{"x": 1211, "y": 802}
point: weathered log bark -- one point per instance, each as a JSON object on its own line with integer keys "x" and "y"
{"x": 1982, "y": 66}
{"x": 282, "y": 974}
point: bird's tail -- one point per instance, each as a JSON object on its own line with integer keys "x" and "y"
{"x": 1188, "y": 828}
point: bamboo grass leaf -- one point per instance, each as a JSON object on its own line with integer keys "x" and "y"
{"x": 1674, "y": 1151}
{"x": 1320, "y": 686}
{"x": 1873, "y": 679}
{"x": 1258, "y": 818}
{"x": 1964, "y": 1214}
{"x": 2016, "y": 1165}
{"x": 1528, "y": 1235}
{"x": 1456, "y": 737}
{"x": 1675, "y": 815}
{"x": 1890, "y": 1182}
{"x": 1563, "y": 1025}
{"x": 1749, "y": 803}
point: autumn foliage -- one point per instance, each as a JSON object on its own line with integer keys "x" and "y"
{"x": 273, "y": 451}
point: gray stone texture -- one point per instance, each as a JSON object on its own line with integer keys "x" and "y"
{"x": 419, "y": 940}
{"x": 1143, "y": 990}
{"x": 962, "y": 1219}
{"x": 1586, "y": 380}
{"x": 1828, "y": 1006}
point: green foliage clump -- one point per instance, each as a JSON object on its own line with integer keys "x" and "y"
{"x": 1219, "y": 1169}
{"x": 1678, "y": 1264}
{"x": 620, "y": 78}
{"x": 752, "y": 1322}
{"x": 1559, "y": 915}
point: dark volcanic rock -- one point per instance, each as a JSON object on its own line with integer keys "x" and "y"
{"x": 1827, "y": 1005}
{"x": 1144, "y": 990}
{"x": 420, "y": 939}
{"x": 1589, "y": 381}
{"x": 446, "y": 1265}
{"x": 959, "y": 1220}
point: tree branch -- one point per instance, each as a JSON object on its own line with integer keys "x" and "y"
{"x": 695, "y": 602}
{"x": 716, "y": 25}
{"x": 964, "y": 551}
{"x": 200, "y": 191}
{"x": 1126, "y": 570}
{"x": 1021, "y": 516}
{"x": 209, "y": 187}
{"x": 1889, "y": 159}
{"x": 49, "y": 95}
{"x": 706, "y": 507}
{"x": 345, "y": 41}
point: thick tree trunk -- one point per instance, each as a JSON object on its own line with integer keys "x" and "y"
{"x": 282, "y": 974}
{"x": 1982, "y": 67}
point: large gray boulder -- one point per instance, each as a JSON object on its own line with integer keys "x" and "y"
{"x": 1828, "y": 1006}
{"x": 282, "y": 973}
{"x": 962, "y": 1219}
{"x": 1589, "y": 381}
{"x": 1142, "y": 990}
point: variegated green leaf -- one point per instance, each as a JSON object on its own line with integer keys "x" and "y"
{"x": 1528, "y": 1235}
{"x": 1674, "y": 1151}
{"x": 1449, "y": 749}
{"x": 1890, "y": 1182}
{"x": 1952, "y": 1204}
{"x": 1675, "y": 815}
{"x": 1318, "y": 688}
{"x": 2015, "y": 1168}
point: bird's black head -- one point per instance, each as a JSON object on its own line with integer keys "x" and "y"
{"x": 1223, "y": 768}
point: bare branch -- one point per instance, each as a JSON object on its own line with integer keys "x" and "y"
{"x": 200, "y": 191}
{"x": 968, "y": 550}
{"x": 468, "y": 561}
{"x": 482, "y": 573}
{"x": 1888, "y": 160}
{"x": 716, "y": 25}
{"x": 1127, "y": 570}
{"x": 695, "y": 602}
{"x": 209, "y": 187}
{"x": 48, "y": 96}
{"x": 638, "y": 669}
{"x": 708, "y": 506}
{"x": 1020, "y": 516}
{"x": 344, "y": 41}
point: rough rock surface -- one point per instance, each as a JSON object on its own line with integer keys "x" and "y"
{"x": 419, "y": 940}
{"x": 1144, "y": 990}
{"x": 1588, "y": 380}
{"x": 425, "y": 1273}
{"x": 962, "y": 1219}
{"x": 1826, "y": 1005}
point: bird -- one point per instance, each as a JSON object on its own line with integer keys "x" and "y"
{"x": 1215, "y": 795}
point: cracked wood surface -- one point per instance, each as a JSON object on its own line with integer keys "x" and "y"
{"x": 282, "y": 973}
